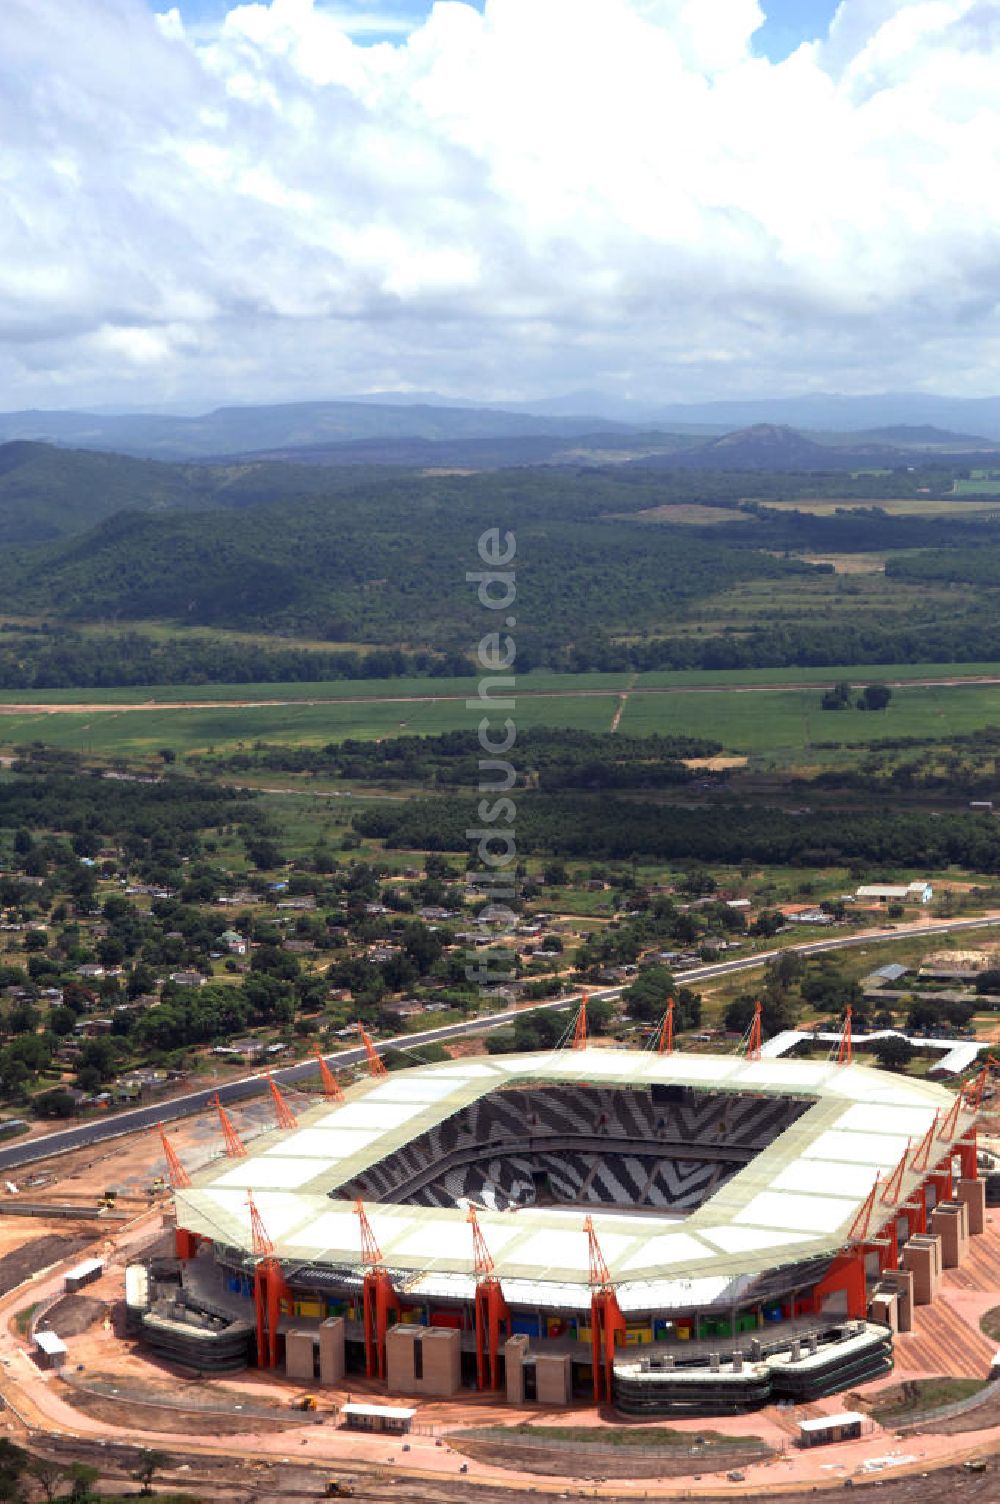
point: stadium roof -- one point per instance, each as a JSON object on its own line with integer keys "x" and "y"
{"x": 795, "y": 1201}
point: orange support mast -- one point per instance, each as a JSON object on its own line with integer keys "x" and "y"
{"x": 269, "y": 1288}
{"x": 376, "y": 1065}
{"x": 862, "y": 1223}
{"x": 666, "y": 1044}
{"x": 380, "y": 1299}
{"x": 922, "y": 1156}
{"x": 607, "y": 1323}
{"x": 845, "y": 1051}
{"x": 491, "y": 1309}
{"x": 893, "y": 1188}
{"x": 753, "y": 1042}
{"x": 234, "y": 1144}
{"x": 580, "y": 1032}
{"x": 331, "y": 1087}
{"x": 286, "y": 1117}
{"x": 179, "y": 1178}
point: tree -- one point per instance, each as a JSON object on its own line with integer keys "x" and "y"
{"x": 875, "y": 697}
{"x": 84, "y": 1477}
{"x": 150, "y": 1463}
{"x": 13, "y": 1461}
{"x": 838, "y": 697}
{"x": 48, "y": 1475}
{"x": 894, "y": 1053}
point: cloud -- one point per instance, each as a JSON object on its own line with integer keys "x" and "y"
{"x": 533, "y": 196}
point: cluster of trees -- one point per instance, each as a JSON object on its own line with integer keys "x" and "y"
{"x": 618, "y": 829}
{"x": 553, "y": 758}
{"x": 24, "y": 1477}
{"x": 872, "y": 697}
{"x": 62, "y": 658}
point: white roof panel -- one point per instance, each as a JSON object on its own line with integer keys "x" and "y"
{"x": 826, "y": 1175}
{"x": 379, "y": 1115}
{"x": 323, "y": 1143}
{"x": 268, "y": 1172}
{"x": 559, "y": 1248}
{"x": 751, "y": 1239}
{"x": 878, "y": 1150}
{"x": 864, "y": 1118}
{"x": 669, "y": 1248}
{"x": 797, "y": 1213}
{"x": 406, "y": 1088}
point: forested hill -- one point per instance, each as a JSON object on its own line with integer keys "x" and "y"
{"x": 48, "y": 493}
{"x": 357, "y": 555}
{"x": 389, "y": 569}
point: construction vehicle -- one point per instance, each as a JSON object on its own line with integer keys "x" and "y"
{"x": 307, "y": 1402}
{"x": 339, "y": 1488}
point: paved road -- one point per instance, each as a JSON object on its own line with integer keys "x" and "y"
{"x": 86, "y": 1134}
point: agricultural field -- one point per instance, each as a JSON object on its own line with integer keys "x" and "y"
{"x": 900, "y": 506}
{"x": 748, "y": 712}
{"x": 980, "y": 483}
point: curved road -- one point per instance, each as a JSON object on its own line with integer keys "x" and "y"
{"x": 63, "y": 1140}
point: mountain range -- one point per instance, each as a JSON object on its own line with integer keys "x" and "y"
{"x": 386, "y": 429}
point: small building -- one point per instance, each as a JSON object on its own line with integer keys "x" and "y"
{"x": 83, "y": 1274}
{"x": 235, "y": 943}
{"x": 883, "y": 975}
{"x": 916, "y": 892}
{"x": 845, "y": 1426}
{"x": 187, "y": 978}
{"x": 388, "y": 1420}
{"x": 50, "y": 1350}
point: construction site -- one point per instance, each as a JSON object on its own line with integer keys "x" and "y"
{"x": 416, "y": 1279}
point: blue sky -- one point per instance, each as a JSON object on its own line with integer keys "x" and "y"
{"x": 789, "y": 22}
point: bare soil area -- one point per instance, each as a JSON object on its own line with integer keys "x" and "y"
{"x": 37, "y": 1253}
{"x": 602, "y": 1462}
{"x": 75, "y": 1314}
{"x": 132, "y": 1414}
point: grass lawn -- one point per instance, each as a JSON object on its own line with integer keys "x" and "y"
{"x": 919, "y": 1395}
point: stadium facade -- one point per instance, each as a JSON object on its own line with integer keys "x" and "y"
{"x": 670, "y": 1233}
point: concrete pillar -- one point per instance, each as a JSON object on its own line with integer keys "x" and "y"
{"x": 946, "y": 1226}
{"x": 972, "y": 1193}
{"x": 515, "y": 1350}
{"x": 553, "y": 1379}
{"x": 423, "y": 1360}
{"x": 901, "y": 1281}
{"x": 300, "y": 1361}
{"x": 331, "y": 1350}
{"x": 883, "y": 1309}
{"x": 922, "y": 1256}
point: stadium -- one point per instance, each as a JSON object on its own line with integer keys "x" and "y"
{"x": 666, "y": 1233}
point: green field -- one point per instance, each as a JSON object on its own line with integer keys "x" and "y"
{"x": 527, "y": 684}
{"x": 142, "y": 732}
{"x": 792, "y": 722}
{"x": 778, "y": 722}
